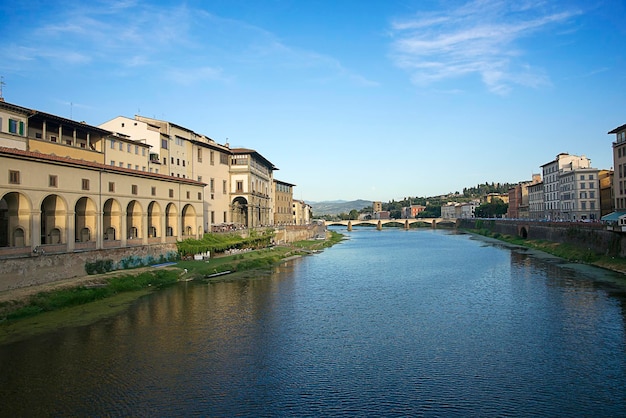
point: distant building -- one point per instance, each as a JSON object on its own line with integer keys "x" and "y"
{"x": 535, "y": 201}
{"x": 519, "y": 205}
{"x": 283, "y": 203}
{"x": 552, "y": 171}
{"x": 410, "y": 212}
{"x": 377, "y": 206}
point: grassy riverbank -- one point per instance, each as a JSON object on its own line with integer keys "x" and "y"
{"x": 107, "y": 294}
{"x": 563, "y": 250}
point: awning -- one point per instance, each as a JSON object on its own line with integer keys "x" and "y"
{"x": 613, "y": 217}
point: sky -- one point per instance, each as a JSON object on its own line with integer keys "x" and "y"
{"x": 349, "y": 99}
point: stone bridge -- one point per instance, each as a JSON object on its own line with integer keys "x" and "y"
{"x": 405, "y": 223}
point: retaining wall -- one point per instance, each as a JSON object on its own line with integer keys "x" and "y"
{"x": 590, "y": 236}
{"x": 30, "y": 271}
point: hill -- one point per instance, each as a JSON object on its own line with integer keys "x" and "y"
{"x": 336, "y": 207}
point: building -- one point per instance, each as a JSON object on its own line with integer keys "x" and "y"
{"x": 377, "y": 207}
{"x": 301, "y": 212}
{"x": 535, "y": 201}
{"x": 180, "y": 152}
{"x": 411, "y": 212}
{"x": 551, "y": 173}
{"x": 579, "y": 194}
{"x": 619, "y": 164}
{"x": 58, "y": 194}
{"x": 283, "y": 203}
{"x": 519, "y": 206}
{"x": 607, "y": 199}
{"x": 252, "y": 185}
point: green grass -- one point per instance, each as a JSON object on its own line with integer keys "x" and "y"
{"x": 63, "y": 298}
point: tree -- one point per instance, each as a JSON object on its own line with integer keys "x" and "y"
{"x": 495, "y": 209}
{"x": 353, "y": 215}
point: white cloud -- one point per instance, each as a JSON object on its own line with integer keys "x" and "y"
{"x": 479, "y": 37}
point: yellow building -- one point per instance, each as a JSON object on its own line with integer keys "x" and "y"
{"x": 251, "y": 189}
{"x": 58, "y": 195}
{"x": 283, "y": 203}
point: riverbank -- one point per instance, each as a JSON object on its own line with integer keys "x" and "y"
{"x": 81, "y": 300}
{"x": 565, "y": 251}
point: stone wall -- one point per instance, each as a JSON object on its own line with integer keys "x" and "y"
{"x": 591, "y": 236}
{"x": 293, "y": 233}
{"x": 41, "y": 269}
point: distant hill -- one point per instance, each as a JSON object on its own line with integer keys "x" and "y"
{"x": 336, "y": 207}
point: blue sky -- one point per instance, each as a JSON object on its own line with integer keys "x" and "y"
{"x": 361, "y": 99}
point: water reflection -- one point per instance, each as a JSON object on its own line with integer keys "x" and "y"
{"x": 389, "y": 323}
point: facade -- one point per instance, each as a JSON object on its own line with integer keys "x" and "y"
{"x": 411, "y": 212}
{"x": 551, "y": 181}
{"x": 579, "y": 194}
{"x": 607, "y": 200}
{"x": 619, "y": 164}
{"x": 251, "y": 188}
{"x": 182, "y": 153}
{"x": 283, "y": 203}
{"x": 301, "y": 212}
{"x": 377, "y": 207}
{"x": 535, "y": 201}
{"x": 519, "y": 199}
{"x": 58, "y": 195}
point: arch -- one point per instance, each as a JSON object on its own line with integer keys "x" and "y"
{"x": 189, "y": 220}
{"x": 111, "y": 219}
{"x": 15, "y": 220}
{"x": 133, "y": 220}
{"x": 154, "y": 220}
{"x": 239, "y": 211}
{"x": 522, "y": 232}
{"x": 171, "y": 220}
{"x": 53, "y": 220}
{"x": 85, "y": 219}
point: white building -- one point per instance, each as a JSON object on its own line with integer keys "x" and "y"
{"x": 551, "y": 181}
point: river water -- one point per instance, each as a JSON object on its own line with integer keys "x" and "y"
{"x": 387, "y": 323}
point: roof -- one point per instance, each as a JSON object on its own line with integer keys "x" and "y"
{"x": 618, "y": 129}
{"x": 55, "y": 159}
{"x": 240, "y": 151}
{"x": 613, "y": 216}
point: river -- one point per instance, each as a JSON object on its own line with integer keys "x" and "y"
{"x": 387, "y": 323}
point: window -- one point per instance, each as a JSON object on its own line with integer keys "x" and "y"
{"x": 592, "y": 205}
{"x": 212, "y": 185}
{"x": 53, "y": 138}
{"x": 112, "y": 162}
{"x": 224, "y": 159}
{"x": 137, "y": 150}
{"x": 224, "y": 216}
{"x": 14, "y": 177}
{"x": 85, "y": 184}
{"x": 143, "y": 152}
{"x": 591, "y": 185}
{"x": 121, "y": 146}
{"x": 590, "y": 176}
{"x": 172, "y": 160}
{"x": 127, "y": 147}
{"x": 53, "y": 181}
{"x": 129, "y": 165}
{"x": 239, "y": 186}
{"x": 583, "y": 205}
{"x": 137, "y": 167}
{"x": 199, "y": 178}
{"x": 188, "y": 195}
{"x": 164, "y": 143}
{"x": 592, "y": 195}
{"x": 177, "y": 161}
{"x": 183, "y": 163}
{"x": 113, "y": 144}
{"x": 16, "y": 127}
{"x": 212, "y": 157}
{"x": 153, "y": 191}
{"x": 199, "y": 195}
{"x": 224, "y": 189}
{"x": 111, "y": 187}
{"x": 212, "y": 217}
{"x": 199, "y": 155}
{"x": 171, "y": 192}
{"x": 582, "y": 176}
{"x": 582, "y": 185}
{"x": 133, "y": 189}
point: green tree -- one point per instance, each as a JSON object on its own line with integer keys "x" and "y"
{"x": 353, "y": 215}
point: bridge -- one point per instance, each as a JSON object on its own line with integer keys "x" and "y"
{"x": 405, "y": 223}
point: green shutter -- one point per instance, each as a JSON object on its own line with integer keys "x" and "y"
{"x": 21, "y": 128}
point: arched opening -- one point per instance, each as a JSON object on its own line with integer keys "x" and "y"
{"x": 523, "y": 232}
{"x": 15, "y": 220}
{"x": 111, "y": 219}
{"x": 170, "y": 220}
{"x": 133, "y": 220}
{"x": 154, "y": 217}
{"x": 53, "y": 218}
{"x": 189, "y": 220}
{"x": 239, "y": 211}
{"x": 84, "y": 219}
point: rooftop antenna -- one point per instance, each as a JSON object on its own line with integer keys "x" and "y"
{"x": 2, "y": 83}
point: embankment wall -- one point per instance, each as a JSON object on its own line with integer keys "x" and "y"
{"x": 47, "y": 268}
{"x": 589, "y": 236}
